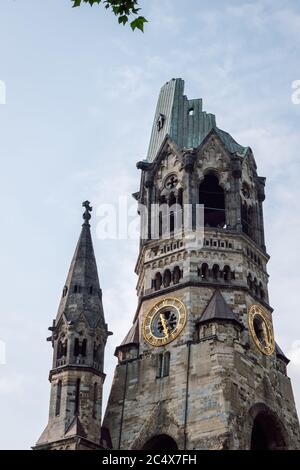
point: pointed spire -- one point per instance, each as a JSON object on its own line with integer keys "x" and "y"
{"x": 218, "y": 309}
{"x": 82, "y": 294}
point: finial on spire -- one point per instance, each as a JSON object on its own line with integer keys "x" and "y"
{"x": 86, "y": 215}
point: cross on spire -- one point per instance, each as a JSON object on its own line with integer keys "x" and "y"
{"x": 86, "y": 215}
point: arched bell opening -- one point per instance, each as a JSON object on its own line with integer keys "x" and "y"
{"x": 211, "y": 194}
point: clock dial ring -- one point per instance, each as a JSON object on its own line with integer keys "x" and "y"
{"x": 261, "y": 329}
{"x": 164, "y": 321}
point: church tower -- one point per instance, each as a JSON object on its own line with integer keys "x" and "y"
{"x": 79, "y": 335}
{"x": 200, "y": 368}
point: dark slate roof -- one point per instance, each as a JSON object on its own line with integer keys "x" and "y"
{"x": 185, "y": 122}
{"x": 83, "y": 272}
{"x": 131, "y": 338}
{"x": 218, "y": 309}
{"x": 280, "y": 354}
{"x": 75, "y": 428}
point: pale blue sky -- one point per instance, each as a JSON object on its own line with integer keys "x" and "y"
{"x": 81, "y": 94}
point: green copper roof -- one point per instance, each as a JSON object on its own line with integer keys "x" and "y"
{"x": 184, "y": 121}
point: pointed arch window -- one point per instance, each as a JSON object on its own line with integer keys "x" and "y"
{"x": 80, "y": 350}
{"x": 62, "y": 348}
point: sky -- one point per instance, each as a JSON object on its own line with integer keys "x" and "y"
{"x": 81, "y": 93}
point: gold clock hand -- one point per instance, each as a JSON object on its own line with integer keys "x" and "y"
{"x": 164, "y": 325}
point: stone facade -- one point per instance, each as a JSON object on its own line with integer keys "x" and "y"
{"x": 221, "y": 391}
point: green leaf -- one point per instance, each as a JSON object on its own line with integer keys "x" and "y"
{"x": 138, "y": 23}
{"x": 123, "y": 19}
{"x": 122, "y": 9}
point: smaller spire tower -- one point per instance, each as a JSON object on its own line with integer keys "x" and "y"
{"x": 79, "y": 335}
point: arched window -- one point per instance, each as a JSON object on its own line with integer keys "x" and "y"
{"x": 91, "y": 290}
{"x": 80, "y": 349}
{"x": 65, "y": 348}
{"x": 59, "y": 349}
{"x": 77, "y": 397}
{"x": 249, "y": 281}
{"x": 95, "y": 394}
{"x": 58, "y": 398}
{"x": 172, "y": 199}
{"x": 163, "y": 365}
{"x": 160, "y": 223}
{"x": 77, "y": 289}
{"x": 83, "y": 348}
{"x": 261, "y": 291}
{"x": 204, "y": 271}
{"x": 226, "y": 273}
{"x": 172, "y": 222}
{"x": 157, "y": 281}
{"x": 180, "y": 197}
{"x": 167, "y": 278}
{"x": 76, "y": 347}
{"x": 62, "y": 347}
{"x": 65, "y": 291}
{"x": 215, "y": 272}
{"x": 212, "y": 196}
{"x": 176, "y": 275}
{"x": 159, "y": 365}
{"x": 255, "y": 286}
{"x": 247, "y": 216}
{"x": 97, "y": 354}
{"x": 166, "y": 364}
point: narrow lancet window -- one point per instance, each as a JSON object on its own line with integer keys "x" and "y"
{"x": 58, "y": 398}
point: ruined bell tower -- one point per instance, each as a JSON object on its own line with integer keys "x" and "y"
{"x": 200, "y": 368}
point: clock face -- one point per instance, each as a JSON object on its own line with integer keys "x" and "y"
{"x": 164, "y": 322}
{"x": 261, "y": 329}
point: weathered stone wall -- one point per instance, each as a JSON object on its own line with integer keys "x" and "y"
{"x": 227, "y": 377}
